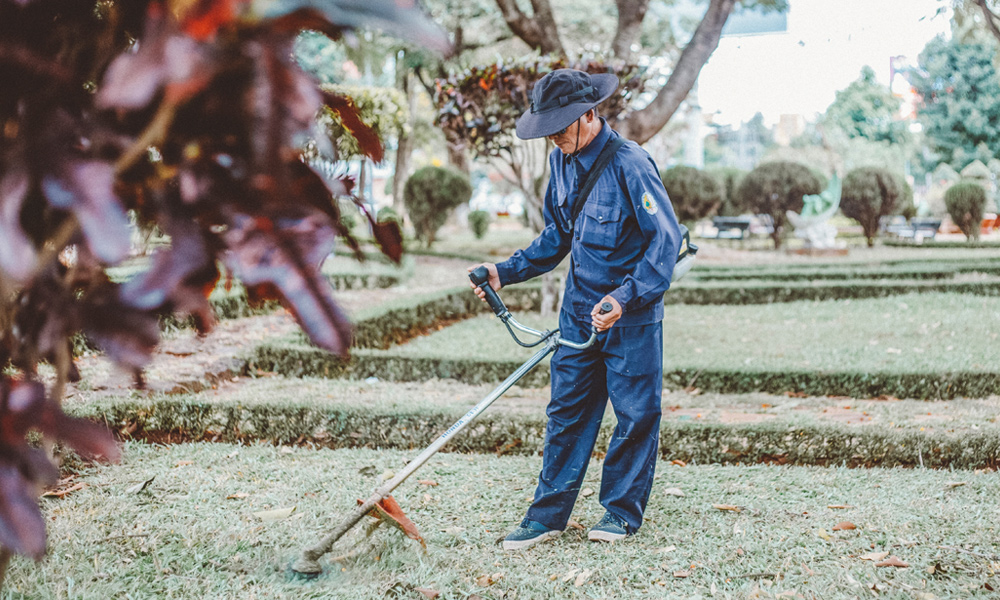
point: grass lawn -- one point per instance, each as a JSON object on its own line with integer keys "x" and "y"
{"x": 907, "y": 333}
{"x": 737, "y": 532}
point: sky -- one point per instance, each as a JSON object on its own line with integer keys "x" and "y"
{"x": 826, "y": 45}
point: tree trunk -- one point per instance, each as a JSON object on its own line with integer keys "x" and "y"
{"x": 458, "y": 154}
{"x": 630, "y": 16}
{"x": 538, "y": 31}
{"x": 404, "y": 150}
{"x": 643, "y": 124}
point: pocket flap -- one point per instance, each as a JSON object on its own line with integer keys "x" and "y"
{"x": 603, "y": 213}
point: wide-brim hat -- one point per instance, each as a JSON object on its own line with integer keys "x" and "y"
{"x": 562, "y": 97}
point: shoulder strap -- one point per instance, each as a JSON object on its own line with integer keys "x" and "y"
{"x": 600, "y": 163}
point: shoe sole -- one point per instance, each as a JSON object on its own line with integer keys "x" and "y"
{"x": 605, "y": 536}
{"x": 512, "y": 545}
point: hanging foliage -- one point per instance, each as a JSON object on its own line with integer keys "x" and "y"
{"x": 190, "y": 114}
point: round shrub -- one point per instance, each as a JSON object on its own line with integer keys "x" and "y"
{"x": 430, "y": 195}
{"x": 729, "y": 179}
{"x": 479, "y": 221}
{"x": 775, "y": 187}
{"x": 906, "y": 206}
{"x": 387, "y": 214}
{"x": 868, "y": 194}
{"x": 965, "y": 202}
{"x": 693, "y": 194}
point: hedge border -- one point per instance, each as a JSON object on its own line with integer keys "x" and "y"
{"x": 177, "y": 420}
{"x": 301, "y": 360}
{"x": 940, "y": 244}
{"x": 764, "y": 293}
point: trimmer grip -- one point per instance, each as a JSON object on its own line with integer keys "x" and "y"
{"x": 606, "y": 307}
{"x": 481, "y": 277}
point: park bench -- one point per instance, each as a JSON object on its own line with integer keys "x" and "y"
{"x": 731, "y": 227}
{"x": 922, "y": 228}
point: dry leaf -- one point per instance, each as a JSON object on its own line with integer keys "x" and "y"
{"x": 135, "y": 489}
{"x": 427, "y": 482}
{"x": 674, "y": 492}
{"x": 823, "y": 534}
{"x": 184, "y": 463}
{"x": 874, "y": 556}
{"x": 389, "y": 510}
{"x": 681, "y": 574}
{"x": 844, "y": 526}
{"x": 582, "y": 578}
{"x": 62, "y": 493}
{"x": 488, "y": 580}
{"x": 572, "y": 573}
{"x": 666, "y": 549}
{"x": 678, "y": 462}
{"x": 892, "y": 561}
{"x": 237, "y": 496}
{"x": 839, "y": 506}
{"x": 277, "y": 514}
{"x": 575, "y": 525}
{"x": 954, "y": 484}
{"x": 428, "y": 593}
{"x": 730, "y": 507}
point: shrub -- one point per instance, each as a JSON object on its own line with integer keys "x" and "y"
{"x": 693, "y": 194}
{"x": 387, "y": 214}
{"x": 965, "y": 202}
{"x": 776, "y": 187}
{"x": 729, "y": 179}
{"x": 870, "y": 193}
{"x": 430, "y": 195}
{"x": 479, "y": 221}
{"x": 906, "y": 207}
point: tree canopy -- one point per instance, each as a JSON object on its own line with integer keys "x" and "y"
{"x": 867, "y": 109}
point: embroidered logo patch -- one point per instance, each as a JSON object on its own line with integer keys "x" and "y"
{"x": 649, "y": 204}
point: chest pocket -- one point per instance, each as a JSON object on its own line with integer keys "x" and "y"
{"x": 601, "y": 225}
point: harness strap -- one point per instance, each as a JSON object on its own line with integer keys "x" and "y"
{"x": 603, "y": 160}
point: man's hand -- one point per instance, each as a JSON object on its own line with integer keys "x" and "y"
{"x": 605, "y": 321}
{"x": 494, "y": 280}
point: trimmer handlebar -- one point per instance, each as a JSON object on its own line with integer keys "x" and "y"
{"x": 481, "y": 277}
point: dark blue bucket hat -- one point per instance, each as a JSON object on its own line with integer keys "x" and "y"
{"x": 562, "y": 97}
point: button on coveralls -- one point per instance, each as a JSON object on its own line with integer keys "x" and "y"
{"x": 624, "y": 243}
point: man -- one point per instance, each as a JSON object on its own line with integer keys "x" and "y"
{"x": 623, "y": 246}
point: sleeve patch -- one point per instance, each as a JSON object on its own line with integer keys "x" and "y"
{"x": 648, "y": 204}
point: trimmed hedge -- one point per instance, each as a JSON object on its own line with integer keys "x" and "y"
{"x": 941, "y": 244}
{"x": 762, "y": 292}
{"x": 907, "y": 272}
{"x": 301, "y": 360}
{"x": 704, "y": 443}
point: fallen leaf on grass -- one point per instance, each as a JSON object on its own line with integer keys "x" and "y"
{"x": 135, "y": 489}
{"x": 844, "y": 526}
{"x": 427, "y": 482}
{"x": 582, "y": 578}
{"x": 389, "y": 510}
{"x": 954, "y": 484}
{"x": 874, "y": 556}
{"x": 681, "y": 574}
{"x": 839, "y": 506}
{"x": 823, "y": 534}
{"x": 678, "y": 462}
{"x": 674, "y": 492}
{"x": 237, "y": 496}
{"x": 488, "y": 580}
{"x": 269, "y": 516}
{"x": 428, "y": 593}
{"x": 62, "y": 493}
{"x": 893, "y": 561}
{"x": 572, "y": 573}
{"x": 183, "y": 463}
{"x": 730, "y": 507}
{"x": 666, "y": 549}
{"x": 575, "y": 524}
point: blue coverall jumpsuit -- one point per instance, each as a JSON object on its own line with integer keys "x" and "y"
{"x": 624, "y": 243}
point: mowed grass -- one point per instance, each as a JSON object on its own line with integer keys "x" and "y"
{"x": 737, "y": 532}
{"x": 909, "y": 333}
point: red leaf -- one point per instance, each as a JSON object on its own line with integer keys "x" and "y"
{"x": 22, "y": 528}
{"x": 390, "y": 239}
{"x": 394, "y": 515}
{"x": 128, "y": 335}
{"x": 288, "y": 255}
{"x": 844, "y": 526}
{"x": 368, "y": 141}
{"x": 206, "y": 17}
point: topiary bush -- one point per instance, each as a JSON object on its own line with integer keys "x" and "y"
{"x": 868, "y": 194}
{"x": 479, "y": 221}
{"x": 906, "y": 206}
{"x": 693, "y": 194}
{"x": 966, "y": 201}
{"x": 729, "y": 179}
{"x": 387, "y": 214}
{"x": 775, "y": 187}
{"x": 430, "y": 195}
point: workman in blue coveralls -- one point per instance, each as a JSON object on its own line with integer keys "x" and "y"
{"x": 622, "y": 248}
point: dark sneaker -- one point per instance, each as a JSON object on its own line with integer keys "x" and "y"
{"x": 610, "y": 528}
{"x": 528, "y": 534}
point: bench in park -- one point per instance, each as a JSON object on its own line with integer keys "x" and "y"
{"x": 731, "y": 227}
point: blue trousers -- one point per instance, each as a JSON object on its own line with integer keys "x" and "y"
{"x": 625, "y": 364}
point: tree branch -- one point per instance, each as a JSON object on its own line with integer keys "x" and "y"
{"x": 630, "y": 16}
{"x": 991, "y": 18}
{"x": 539, "y": 31}
{"x": 644, "y": 124}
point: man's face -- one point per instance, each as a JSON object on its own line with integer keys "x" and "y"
{"x": 567, "y": 138}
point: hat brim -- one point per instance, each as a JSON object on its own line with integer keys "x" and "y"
{"x": 538, "y": 125}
